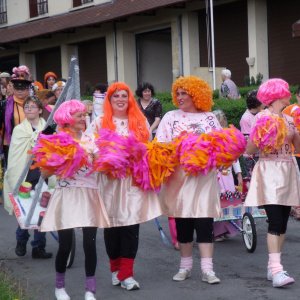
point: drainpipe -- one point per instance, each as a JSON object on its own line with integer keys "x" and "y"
{"x": 116, "y": 52}
{"x": 213, "y": 43}
{"x": 180, "y": 48}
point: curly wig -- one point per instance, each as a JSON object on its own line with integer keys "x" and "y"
{"x": 197, "y": 88}
{"x": 272, "y": 90}
{"x": 137, "y": 122}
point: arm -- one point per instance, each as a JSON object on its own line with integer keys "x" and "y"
{"x": 155, "y": 124}
{"x": 158, "y": 115}
{"x": 251, "y": 148}
{"x": 296, "y": 141}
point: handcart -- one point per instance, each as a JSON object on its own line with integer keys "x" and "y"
{"x": 29, "y": 216}
{"x": 241, "y": 217}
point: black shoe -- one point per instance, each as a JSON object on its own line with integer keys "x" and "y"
{"x": 21, "y": 248}
{"x": 40, "y": 253}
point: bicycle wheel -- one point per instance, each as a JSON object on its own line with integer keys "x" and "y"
{"x": 249, "y": 232}
{"x": 72, "y": 253}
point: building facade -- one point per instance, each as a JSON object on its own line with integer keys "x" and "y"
{"x": 151, "y": 40}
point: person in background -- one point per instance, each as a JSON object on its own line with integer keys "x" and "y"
{"x": 98, "y": 100}
{"x": 48, "y": 99}
{"x": 14, "y": 112}
{"x": 151, "y": 107}
{"x": 275, "y": 181}
{"x": 228, "y": 89}
{"x": 194, "y": 201}
{"x": 254, "y": 106}
{"x": 223, "y": 229}
{"x": 89, "y": 111}
{"x": 4, "y": 82}
{"x": 50, "y": 79}
{"x": 58, "y": 88}
{"x": 23, "y": 138}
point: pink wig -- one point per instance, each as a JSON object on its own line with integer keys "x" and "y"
{"x": 272, "y": 90}
{"x": 64, "y": 114}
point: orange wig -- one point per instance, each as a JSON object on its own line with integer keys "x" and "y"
{"x": 136, "y": 120}
{"x": 47, "y": 75}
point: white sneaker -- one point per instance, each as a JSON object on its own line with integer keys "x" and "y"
{"x": 89, "y": 296}
{"x": 114, "y": 278}
{"x": 269, "y": 275}
{"x": 130, "y": 284}
{"x": 182, "y": 274}
{"x": 61, "y": 294}
{"x": 281, "y": 279}
{"x": 210, "y": 277}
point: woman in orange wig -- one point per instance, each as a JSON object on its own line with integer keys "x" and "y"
{"x": 126, "y": 204}
{"x": 49, "y": 80}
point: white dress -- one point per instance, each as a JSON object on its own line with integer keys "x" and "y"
{"x": 185, "y": 196}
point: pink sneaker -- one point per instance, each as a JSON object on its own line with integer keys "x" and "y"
{"x": 282, "y": 279}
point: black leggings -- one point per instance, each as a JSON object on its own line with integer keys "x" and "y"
{"x": 278, "y": 216}
{"x": 89, "y": 247}
{"x": 122, "y": 241}
{"x": 186, "y": 226}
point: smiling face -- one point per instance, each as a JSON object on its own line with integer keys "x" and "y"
{"x": 185, "y": 101}
{"x": 147, "y": 94}
{"x": 79, "y": 121}
{"x": 119, "y": 103}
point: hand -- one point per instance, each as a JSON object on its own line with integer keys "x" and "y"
{"x": 240, "y": 179}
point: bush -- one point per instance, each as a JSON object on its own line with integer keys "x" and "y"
{"x": 166, "y": 101}
{"x": 233, "y": 109}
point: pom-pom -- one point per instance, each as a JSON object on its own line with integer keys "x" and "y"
{"x": 113, "y": 157}
{"x": 162, "y": 160}
{"x": 59, "y": 154}
{"x": 296, "y": 117}
{"x": 269, "y": 133}
{"x": 195, "y": 153}
{"x": 228, "y": 145}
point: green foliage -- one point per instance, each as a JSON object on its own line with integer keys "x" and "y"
{"x": 246, "y": 89}
{"x": 166, "y": 101}
{"x": 233, "y": 109}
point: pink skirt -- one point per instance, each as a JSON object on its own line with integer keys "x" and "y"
{"x": 191, "y": 196}
{"x": 75, "y": 207}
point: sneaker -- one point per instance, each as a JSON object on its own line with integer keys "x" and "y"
{"x": 210, "y": 277}
{"x": 281, "y": 279}
{"x": 61, "y": 294}
{"x": 182, "y": 274}
{"x": 130, "y": 284}
{"x": 269, "y": 275}
{"x": 40, "y": 253}
{"x": 21, "y": 248}
{"x": 89, "y": 296}
{"x": 114, "y": 278}
{"x": 220, "y": 238}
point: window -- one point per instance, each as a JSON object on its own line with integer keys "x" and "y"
{"x": 38, "y": 7}
{"x": 3, "y": 12}
{"x": 80, "y": 2}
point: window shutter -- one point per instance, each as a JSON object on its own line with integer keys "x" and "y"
{"x": 76, "y": 3}
{"x": 33, "y": 8}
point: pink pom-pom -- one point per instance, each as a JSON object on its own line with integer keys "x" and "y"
{"x": 59, "y": 154}
{"x": 228, "y": 145}
{"x": 269, "y": 133}
{"x": 296, "y": 117}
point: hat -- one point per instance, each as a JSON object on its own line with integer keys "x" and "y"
{"x": 57, "y": 85}
{"x": 21, "y": 84}
{"x": 4, "y": 75}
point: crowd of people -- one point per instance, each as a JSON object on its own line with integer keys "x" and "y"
{"x": 119, "y": 205}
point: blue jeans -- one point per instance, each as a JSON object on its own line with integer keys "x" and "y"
{"x": 39, "y": 238}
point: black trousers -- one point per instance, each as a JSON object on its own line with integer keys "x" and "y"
{"x": 122, "y": 241}
{"x": 278, "y": 216}
{"x": 186, "y": 227}
{"x": 89, "y": 247}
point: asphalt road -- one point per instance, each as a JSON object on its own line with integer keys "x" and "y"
{"x": 243, "y": 275}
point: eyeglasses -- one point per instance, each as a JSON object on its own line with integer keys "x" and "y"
{"x": 31, "y": 107}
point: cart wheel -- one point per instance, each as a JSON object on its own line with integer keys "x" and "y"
{"x": 72, "y": 253}
{"x": 249, "y": 232}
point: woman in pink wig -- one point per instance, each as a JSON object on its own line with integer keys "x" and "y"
{"x": 75, "y": 202}
{"x": 275, "y": 183}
